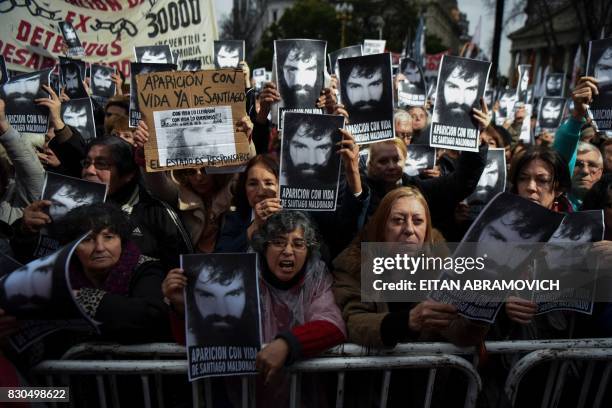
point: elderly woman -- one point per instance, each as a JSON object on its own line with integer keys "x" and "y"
{"x": 299, "y": 316}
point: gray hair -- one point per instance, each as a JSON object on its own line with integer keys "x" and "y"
{"x": 401, "y": 115}
{"x": 284, "y": 222}
{"x": 585, "y": 147}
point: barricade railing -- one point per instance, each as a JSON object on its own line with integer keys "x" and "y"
{"x": 159, "y": 359}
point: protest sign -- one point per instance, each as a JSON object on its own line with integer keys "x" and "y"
{"x": 492, "y": 182}
{"x": 108, "y": 31}
{"x": 79, "y": 114}
{"x": 191, "y": 118}
{"x": 550, "y": 113}
{"x": 523, "y": 82}
{"x": 222, "y": 316}
{"x": 102, "y": 84}
{"x": 599, "y": 62}
{"x": 420, "y": 157}
{"x": 19, "y": 93}
{"x": 554, "y": 84}
{"x": 413, "y": 90}
{"x": 228, "y": 53}
{"x": 373, "y": 47}
{"x": 310, "y": 166}
{"x": 367, "y": 94}
{"x": 461, "y": 84}
{"x": 75, "y": 49}
{"x": 154, "y": 54}
{"x": 138, "y": 68}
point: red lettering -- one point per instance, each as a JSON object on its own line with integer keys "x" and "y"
{"x": 134, "y": 3}
{"x": 33, "y": 62}
{"x": 90, "y": 48}
{"x": 48, "y": 35}
{"x": 114, "y": 5}
{"x": 36, "y": 36}
{"x": 21, "y": 54}
{"x": 57, "y": 46}
{"x": 8, "y": 52}
{"x": 99, "y": 5}
{"x": 23, "y": 32}
{"x": 70, "y": 16}
{"x": 102, "y": 50}
{"x": 115, "y": 48}
{"x": 82, "y": 20}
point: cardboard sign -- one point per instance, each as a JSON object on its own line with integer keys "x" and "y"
{"x": 191, "y": 118}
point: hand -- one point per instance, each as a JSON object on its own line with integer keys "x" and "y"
{"x": 86, "y": 86}
{"x": 431, "y": 315}
{"x": 271, "y": 359}
{"x": 398, "y": 78}
{"x": 462, "y": 212}
{"x": 266, "y": 208}
{"x": 349, "y": 150}
{"x": 520, "y": 310}
{"x": 340, "y": 110}
{"x": 141, "y": 134}
{"x": 329, "y": 100}
{"x": 172, "y": 288}
{"x": 34, "y": 217}
{"x": 48, "y": 158}
{"x": 55, "y": 107}
{"x": 63, "y": 95}
{"x": 118, "y": 83}
{"x": 583, "y": 95}
{"x": 246, "y": 126}
{"x": 431, "y": 173}
{"x": 268, "y": 96}
{"x": 482, "y": 117}
{"x": 8, "y": 325}
{"x": 603, "y": 251}
{"x": 247, "y": 73}
{"x": 4, "y": 124}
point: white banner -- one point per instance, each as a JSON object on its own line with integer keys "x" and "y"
{"x": 30, "y": 37}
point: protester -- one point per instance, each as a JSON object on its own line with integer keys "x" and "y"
{"x": 587, "y": 171}
{"x": 420, "y": 125}
{"x": 403, "y": 126}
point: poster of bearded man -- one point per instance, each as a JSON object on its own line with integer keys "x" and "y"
{"x": 461, "y": 84}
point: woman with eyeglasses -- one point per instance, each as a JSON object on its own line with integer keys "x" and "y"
{"x": 300, "y": 318}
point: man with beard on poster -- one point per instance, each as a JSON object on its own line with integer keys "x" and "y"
{"x": 366, "y": 94}
{"x": 19, "y": 93}
{"x": 227, "y": 54}
{"x": 550, "y": 113}
{"x": 102, "y": 80}
{"x": 309, "y": 158}
{"x": 461, "y": 84}
{"x": 603, "y": 73}
{"x": 554, "y": 85}
{"x": 75, "y": 115}
{"x": 71, "y": 78}
{"x": 301, "y": 77}
{"x": 221, "y": 312}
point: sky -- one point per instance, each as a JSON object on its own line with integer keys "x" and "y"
{"x": 473, "y": 8}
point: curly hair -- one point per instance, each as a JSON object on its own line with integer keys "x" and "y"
{"x": 285, "y": 222}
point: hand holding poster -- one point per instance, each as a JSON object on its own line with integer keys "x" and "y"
{"x": 228, "y": 53}
{"x": 19, "y": 94}
{"x": 310, "y": 164}
{"x": 221, "y": 314}
{"x": 599, "y": 65}
{"x": 191, "y": 118}
{"x": 367, "y": 94}
{"x": 75, "y": 49}
{"x": 461, "y": 84}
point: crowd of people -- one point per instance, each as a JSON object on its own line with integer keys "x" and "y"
{"x": 126, "y": 273}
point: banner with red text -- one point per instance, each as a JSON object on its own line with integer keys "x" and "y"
{"x": 30, "y": 38}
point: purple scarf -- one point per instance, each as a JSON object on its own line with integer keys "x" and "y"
{"x": 118, "y": 280}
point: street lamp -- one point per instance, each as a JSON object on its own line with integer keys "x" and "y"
{"x": 344, "y": 13}
{"x": 379, "y": 23}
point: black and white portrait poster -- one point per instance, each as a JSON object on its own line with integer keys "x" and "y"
{"x": 259, "y": 78}
{"x": 507, "y": 100}
{"x": 461, "y": 84}
{"x": 599, "y": 65}
{"x": 72, "y": 75}
{"x": 523, "y": 82}
{"x": 566, "y": 256}
{"x": 54, "y": 83}
{"x": 554, "y": 84}
{"x": 346, "y": 52}
{"x": 40, "y": 295}
{"x": 137, "y": 68}
{"x": 505, "y": 230}
{"x": 413, "y": 90}
{"x": 102, "y": 84}
{"x": 228, "y": 53}
{"x": 300, "y": 66}
{"x": 19, "y": 93}
{"x": 154, "y": 54}
{"x": 78, "y": 113}
{"x": 4, "y": 75}
{"x": 492, "y": 182}
{"x": 367, "y": 93}
{"x": 75, "y": 49}
{"x": 550, "y": 113}
{"x": 310, "y": 166}
{"x": 81, "y": 64}
{"x": 420, "y": 157}
{"x": 191, "y": 65}
{"x": 65, "y": 193}
{"x": 489, "y": 97}
{"x": 222, "y": 314}
{"x": 374, "y": 46}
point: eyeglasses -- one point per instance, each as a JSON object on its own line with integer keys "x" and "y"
{"x": 404, "y": 135}
{"x": 590, "y": 166}
{"x": 296, "y": 244}
{"x": 99, "y": 165}
{"x": 193, "y": 172}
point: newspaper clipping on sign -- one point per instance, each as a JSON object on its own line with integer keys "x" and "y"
{"x": 191, "y": 117}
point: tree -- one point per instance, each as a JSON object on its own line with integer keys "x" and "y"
{"x": 243, "y": 22}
